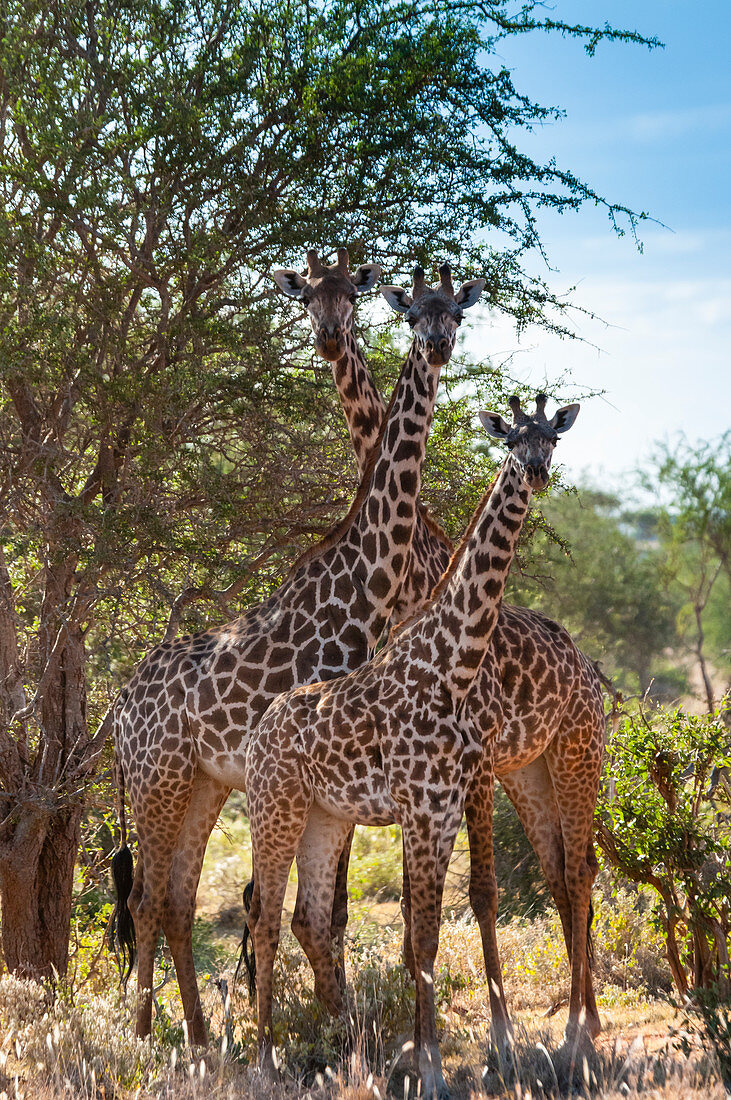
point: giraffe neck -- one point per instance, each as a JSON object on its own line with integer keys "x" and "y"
{"x": 364, "y": 411}
{"x": 362, "y": 404}
{"x": 384, "y": 527}
{"x": 468, "y": 605}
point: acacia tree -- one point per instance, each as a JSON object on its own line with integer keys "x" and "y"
{"x": 159, "y": 436}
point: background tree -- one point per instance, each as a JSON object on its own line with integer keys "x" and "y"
{"x": 604, "y": 585}
{"x": 693, "y": 484}
{"x": 162, "y": 440}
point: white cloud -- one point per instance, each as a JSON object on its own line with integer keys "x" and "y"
{"x": 664, "y": 363}
{"x": 661, "y": 125}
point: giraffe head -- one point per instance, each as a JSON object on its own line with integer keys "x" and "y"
{"x": 531, "y": 438}
{"x": 434, "y": 313}
{"x": 329, "y": 294}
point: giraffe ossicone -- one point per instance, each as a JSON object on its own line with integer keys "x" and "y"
{"x": 329, "y": 293}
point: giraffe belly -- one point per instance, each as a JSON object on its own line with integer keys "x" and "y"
{"x": 357, "y": 795}
{"x": 226, "y": 769}
{"x": 222, "y": 755}
{"x": 374, "y": 810}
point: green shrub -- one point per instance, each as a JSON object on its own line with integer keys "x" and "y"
{"x": 662, "y": 820}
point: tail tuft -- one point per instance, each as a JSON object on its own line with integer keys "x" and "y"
{"x": 589, "y": 937}
{"x": 246, "y": 954}
{"x": 122, "y": 939}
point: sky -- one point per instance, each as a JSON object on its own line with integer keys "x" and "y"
{"x": 650, "y": 130}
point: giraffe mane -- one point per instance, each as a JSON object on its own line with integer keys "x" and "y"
{"x": 435, "y": 527}
{"x": 336, "y": 532}
{"x": 454, "y": 561}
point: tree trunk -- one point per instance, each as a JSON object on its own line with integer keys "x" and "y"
{"x": 673, "y": 955}
{"x": 43, "y": 802}
{"x": 707, "y": 686}
{"x": 36, "y": 887}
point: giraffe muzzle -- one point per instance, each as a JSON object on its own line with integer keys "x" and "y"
{"x": 330, "y": 343}
{"x": 536, "y": 474}
{"x": 437, "y": 351}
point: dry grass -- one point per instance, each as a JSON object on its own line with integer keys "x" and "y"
{"x": 81, "y": 1045}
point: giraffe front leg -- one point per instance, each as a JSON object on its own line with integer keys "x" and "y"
{"x": 484, "y": 897}
{"x": 339, "y": 918}
{"x": 408, "y": 950}
{"x": 424, "y": 853}
{"x": 207, "y": 800}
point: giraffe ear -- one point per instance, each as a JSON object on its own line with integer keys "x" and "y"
{"x": 291, "y": 282}
{"x": 397, "y": 298}
{"x": 564, "y": 418}
{"x": 494, "y": 425}
{"x": 469, "y": 292}
{"x": 366, "y": 277}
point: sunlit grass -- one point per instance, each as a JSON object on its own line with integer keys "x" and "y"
{"x": 81, "y": 1044}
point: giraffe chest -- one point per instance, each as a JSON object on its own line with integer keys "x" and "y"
{"x": 369, "y": 763}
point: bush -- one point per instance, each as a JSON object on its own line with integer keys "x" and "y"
{"x": 662, "y": 820}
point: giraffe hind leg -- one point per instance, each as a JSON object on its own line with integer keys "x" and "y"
{"x": 530, "y": 789}
{"x": 577, "y": 823}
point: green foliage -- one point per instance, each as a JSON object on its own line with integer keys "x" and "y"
{"x": 522, "y": 890}
{"x": 157, "y": 160}
{"x": 663, "y": 820}
{"x": 693, "y": 484}
{"x": 604, "y": 587}
{"x": 376, "y": 864}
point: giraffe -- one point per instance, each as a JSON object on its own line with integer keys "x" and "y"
{"x": 392, "y": 741}
{"x": 183, "y": 722}
{"x": 548, "y": 753}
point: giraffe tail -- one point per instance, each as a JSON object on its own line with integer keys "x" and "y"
{"x": 246, "y": 954}
{"x": 590, "y": 937}
{"x": 122, "y": 939}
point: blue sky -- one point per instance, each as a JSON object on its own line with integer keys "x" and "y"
{"x": 652, "y": 130}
